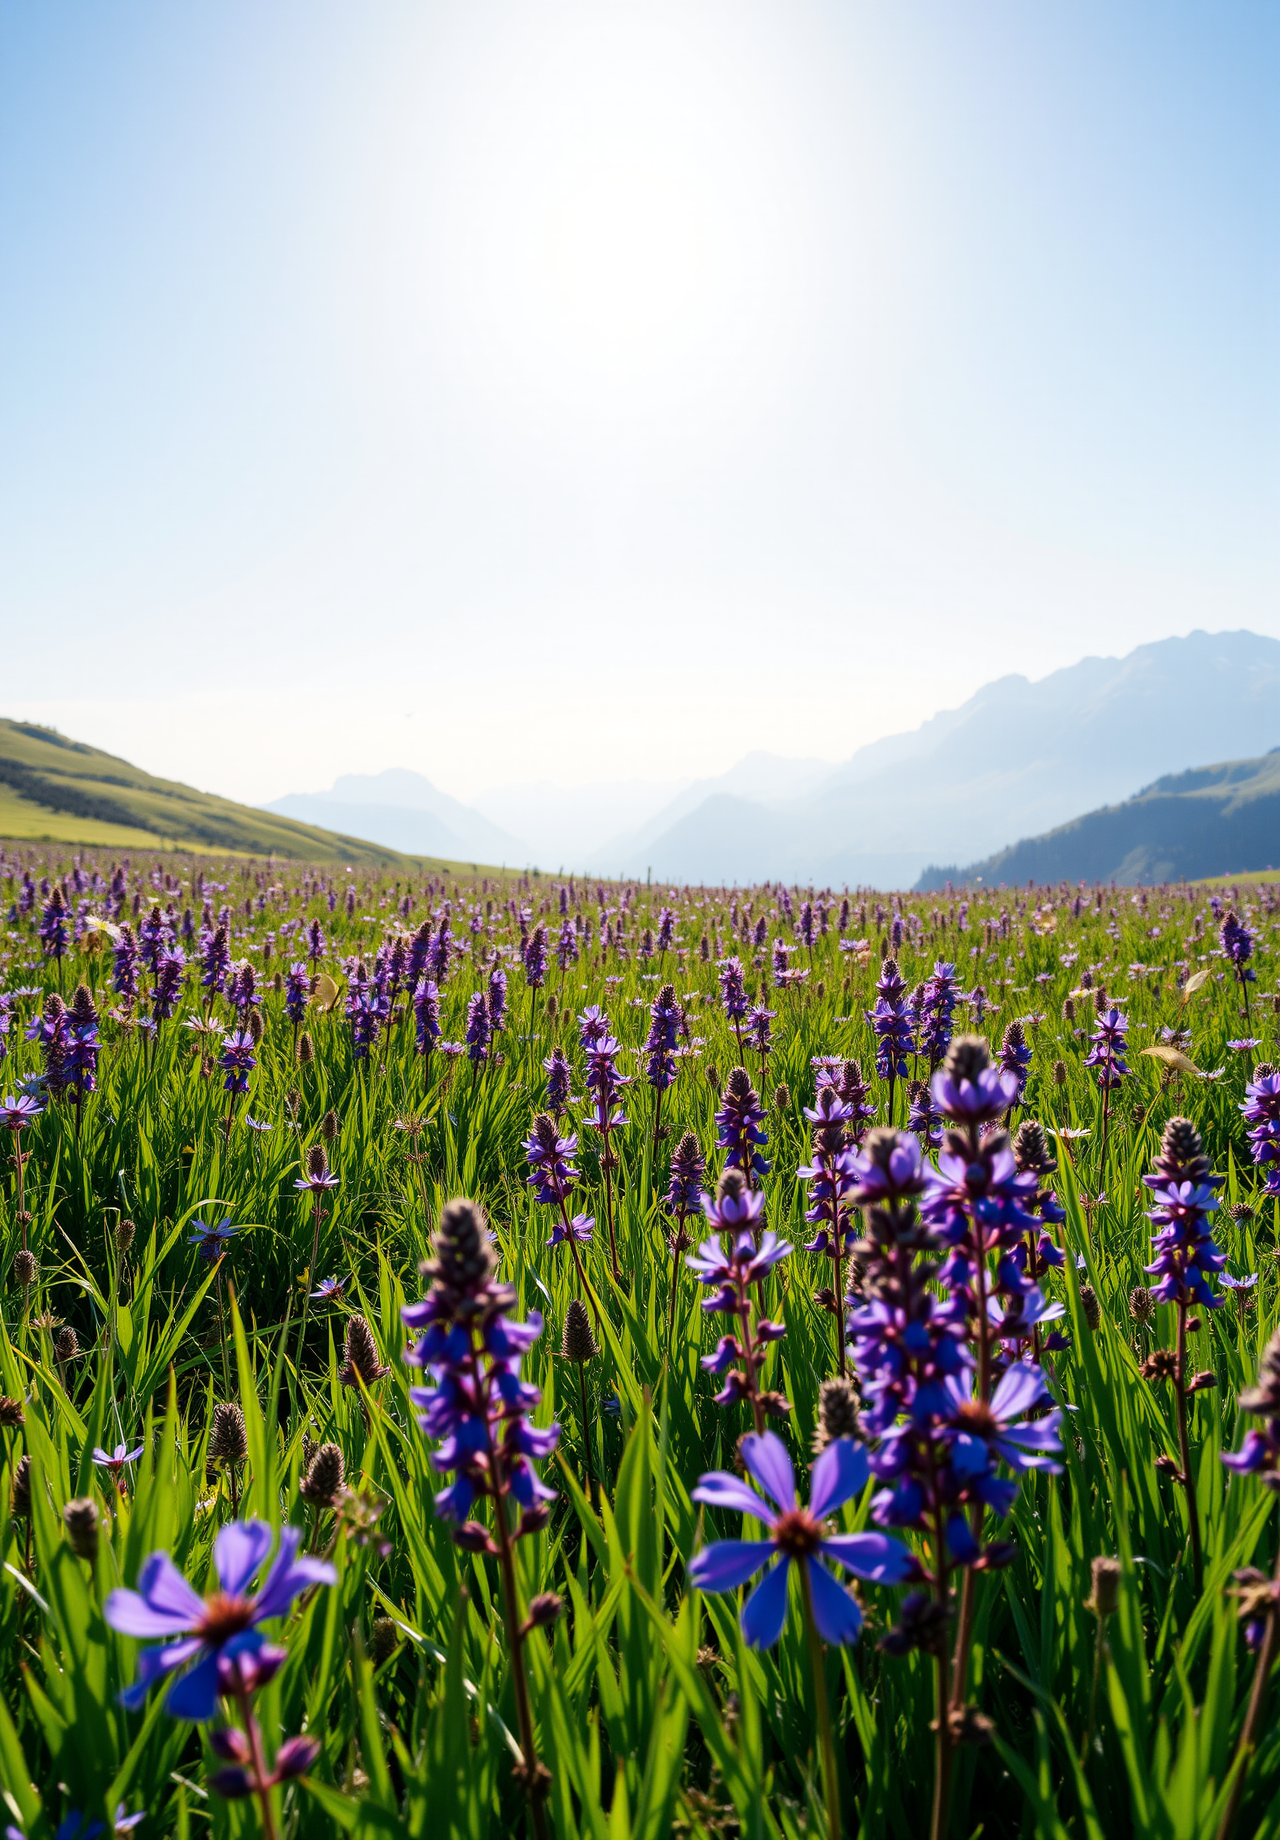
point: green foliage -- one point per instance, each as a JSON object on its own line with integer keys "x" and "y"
{"x": 651, "y": 1714}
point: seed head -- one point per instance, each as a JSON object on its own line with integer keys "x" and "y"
{"x": 306, "y": 1049}
{"x": 967, "y": 1057}
{"x": 67, "y": 1345}
{"x": 83, "y": 1010}
{"x": 1264, "y": 1397}
{"x": 837, "y": 1411}
{"x": 577, "y": 1344}
{"x": 1104, "y": 1600}
{"x": 25, "y": 1269}
{"x": 329, "y": 1125}
{"x": 228, "y": 1441}
{"x": 1059, "y": 1073}
{"x": 360, "y": 1352}
{"x": 20, "y": 1498}
{"x": 384, "y": 1639}
{"x": 464, "y": 1263}
{"x": 326, "y": 1474}
{"x": 255, "y": 1026}
{"x": 1182, "y": 1157}
{"x": 80, "y": 1517}
{"x": 11, "y": 1413}
{"x": 1141, "y": 1304}
{"x": 317, "y": 1161}
{"x": 1031, "y": 1148}
{"x": 124, "y": 1235}
{"x": 713, "y": 1076}
{"x": 1090, "y": 1305}
{"x": 782, "y": 1096}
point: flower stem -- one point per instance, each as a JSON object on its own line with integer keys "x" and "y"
{"x": 830, "y": 1780}
{"x": 515, "y": 1644}
{"x": 1184, "y": 1451}
{"x": 1252, "y": 1718}
{"x": 260, "y": 1772}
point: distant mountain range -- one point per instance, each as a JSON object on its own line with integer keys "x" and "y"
{"x": 1015, "y": 760}
{"x": 1210, "y": 821}
{"x": 56, "y": 790}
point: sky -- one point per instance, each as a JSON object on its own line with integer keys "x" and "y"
{"x": 579, "y": 392}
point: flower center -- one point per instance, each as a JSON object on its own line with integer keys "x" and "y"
{"x": 797, "y": 1533}
{"x": 976, "y": 1415}
{"x": 224, "y": 1617}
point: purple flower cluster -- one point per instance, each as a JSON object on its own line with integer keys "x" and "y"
{"x": 660, "y": 1045}
{"x": 891, "y": 1023}
{"x": 1261, "y": 1110}
{"x": 1107, "y": 1048}
{"x": 737, "y": 1211}
{"x": 1182, "y": 1187}
{"x": 477, "y": 1408}
{"x": 740, "y": 1126}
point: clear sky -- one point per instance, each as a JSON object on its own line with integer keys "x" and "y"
{"x": 511, "y": 389}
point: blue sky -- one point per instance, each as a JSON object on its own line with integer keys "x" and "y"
{"x": 519, "y": 391}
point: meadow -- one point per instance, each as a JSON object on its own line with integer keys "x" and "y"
{"x": 502, "y": 1255}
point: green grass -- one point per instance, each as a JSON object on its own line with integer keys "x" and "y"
{"x": 651, "y": 1714}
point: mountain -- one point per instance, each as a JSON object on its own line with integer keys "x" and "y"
{"x": 571, "y": 826}
{"x": 63, "y": 791}
{"x": 406, "y": 812}
{"x": 1210, "y": 821}
{"x": 1016, "y": 759}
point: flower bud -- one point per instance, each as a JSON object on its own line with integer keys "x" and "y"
{"x": 80, "y": 1518}
{"x": 295, "y": 1757}
{"x": 231, "y": 1744}
{"x": 124, "y": 1234}
{"x": 1105, "y": 1597}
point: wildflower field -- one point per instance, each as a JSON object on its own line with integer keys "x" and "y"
{"x": 520, "y": 1356}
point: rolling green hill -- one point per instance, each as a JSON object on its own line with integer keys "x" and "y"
{"x": 1208, "y": 822}
{"x": 61, "y": 791}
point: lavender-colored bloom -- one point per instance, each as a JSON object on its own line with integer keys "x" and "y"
{"x": 237, "y": 1060}
{"x": 124, "y": 959}
{"x": 49, "y": 1028}
{"x": 215, "y": 961}
{"x": 982, "y": 1430}
{"x": 1237, "y": 944}
{"x": 1182, "y": 1186}
{"x": 937, "y": 1009}
{"x": 660, "y": 1047}
{"x": 497, "y": 999}
{"x": 593, "y": 1026}
{"x": 171, "y": 976}
{"x": 1107, "y": 1049}
{"x": 688, "y": 1167}
{"x": 212, "y": 1239}
{"x": 666, "y": 931}
{"x": 740, "y": 1126}
{"x": 478, "y": 1027}
{"x": 891, "y": 1023}
{"x": 605, "y": 1085}
{"x": 1015, "y": 1056}
{"x": 116, "y": 1461}
{"x": 830, "y": 1175}
{"x": 426, "y": 1013}
{"x": 1261, "y": 1111}
{"x": 297, "y": 993}
{"x": 567, "y": 946}
{"x": 329, "y": 1288}
{"x": 316, "y": 946}
{"x": 419, "y": 952}
{"x": 53, "y": 926}
{"x": 367, "y": 1010}
{"x": 733, "y": 990}
{"x": 212, "y": 1634}
{"x": 923, "y": 1116}
{"x": 559, "y": 1075}
{"x": 240, "y": 989}
{"x": 477, "y": 1412}
{"x": 796, "y": 1535}
{"x": 758, "y": 1030}
{"x": 1259, "y": 1454}
{"x": 552, "y": 1172}
{"x": 535, "y": 957}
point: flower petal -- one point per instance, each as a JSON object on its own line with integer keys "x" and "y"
{"x": 238, "y": 1552}
{"x": 195, "y": 1695}
{"x": 874, "y": 1556}
{"x": 727, "y": 1564}
{"x": 1021, "y": 1387}
{"x": 290, "y": 1576}
{"x": 165, "y": 1606}
{"x": 839, "y": 1472}
{"x": 765, "y": 1455}
{"x": 834, "y": 1610}
{"x": 718, "y": 1489}
{"x": 765, "y": 1610}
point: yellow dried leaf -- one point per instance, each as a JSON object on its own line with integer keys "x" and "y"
{"x": 1172, "y": 1058}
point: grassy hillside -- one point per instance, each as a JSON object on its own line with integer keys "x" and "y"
{"x": 1207, "y": 822}
{"x": 57, "y": 790}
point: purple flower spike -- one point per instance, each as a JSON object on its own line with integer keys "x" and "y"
{"x": 212, "y": 1634}
{"x": 796, "y": 1534}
